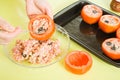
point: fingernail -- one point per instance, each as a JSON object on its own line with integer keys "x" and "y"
{"x": 9, "y": 28}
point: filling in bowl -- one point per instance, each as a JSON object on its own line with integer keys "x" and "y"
{"x": 35, "y": 51}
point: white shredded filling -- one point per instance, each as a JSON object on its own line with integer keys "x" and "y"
{"x": 36, "y": 52}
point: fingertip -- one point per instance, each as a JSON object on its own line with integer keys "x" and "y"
{"x": 50, "y": 14}
{"x": 48, "y": 11}
{"x": 32, "y": 16}
{"x": 51, "y": 17}
{"x": 10, "y": 28}
{"x": 18, "y": 29}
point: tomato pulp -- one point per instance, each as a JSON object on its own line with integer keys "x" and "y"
{"x": 78, "y": 62}
{"x": 41, "y": 27}
{"x": 111, "y": 47}
{"x": 91, "y": 14}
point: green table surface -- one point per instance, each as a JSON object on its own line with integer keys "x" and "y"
{"x": 15, "y": 13}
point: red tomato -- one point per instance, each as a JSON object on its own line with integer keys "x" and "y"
{"x": 118, "y": 33}
{"x": 91, "y": 14}
{"x": 78, "y": 62}
{"x": 109, "y": 23}
{"x": 111, "y": 47}
{"x": 41, "y": 27}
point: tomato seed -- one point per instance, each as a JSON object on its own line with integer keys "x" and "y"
{"x": 24, "y": 55}
{"x": 40, "y": 29}
{"x": 108, "y": 43}
{"x": 106, "y": 21}
{"x": 94, "y": 11}
{"x": 50, "y": 43}
{"x": 113, "y": 47}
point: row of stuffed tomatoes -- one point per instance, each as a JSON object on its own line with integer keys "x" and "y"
{"x": 92, "y": 14}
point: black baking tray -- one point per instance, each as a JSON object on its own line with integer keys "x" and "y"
{"x": 88, "y": 36}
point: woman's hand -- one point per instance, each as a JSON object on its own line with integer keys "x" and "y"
{"x": 7, "y": 32}
{"x": 34, "y": 7}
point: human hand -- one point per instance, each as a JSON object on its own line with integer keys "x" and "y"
{"x": 34, "y": 7}
{"x": 7, "y": 32}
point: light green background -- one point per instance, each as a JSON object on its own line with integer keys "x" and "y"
{"x": 15, "y": 13}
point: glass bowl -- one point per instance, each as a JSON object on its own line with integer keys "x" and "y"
{"x": 60, "y": 34}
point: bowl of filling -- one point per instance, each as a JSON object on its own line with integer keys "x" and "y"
{"x": 25, "y": 50}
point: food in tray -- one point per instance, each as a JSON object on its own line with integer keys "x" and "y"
{"x": 91, "y": 13}
{"x": 35, "y": 51}
{"x": 78, "y": 62}
{"x": 109, "y": 23}
{"x": 41, "y": 27}
{"x": 79, "y": 29}
{"x": 111, "y": 48}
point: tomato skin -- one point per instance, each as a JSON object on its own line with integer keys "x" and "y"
{"x": 107, "y": 26}
{"x": 110, "y": 51}
{"x": 78, "y": 62}
{"x": 48, "y": 33}
{"x": 91, "y": 19}
{"x": 118, "y": 33}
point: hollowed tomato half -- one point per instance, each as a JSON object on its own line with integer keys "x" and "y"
{"x": 78, "y": 62}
